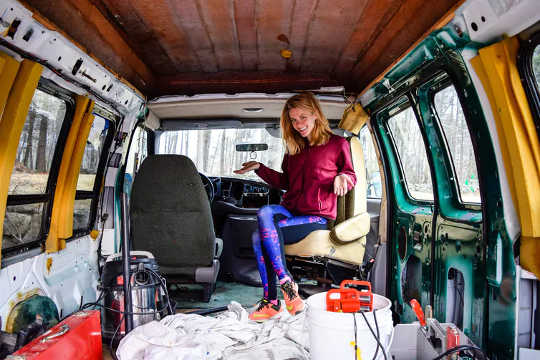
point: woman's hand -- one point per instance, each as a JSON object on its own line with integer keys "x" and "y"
{"x": 248, "y": 166}
{"x": 341, "y": 184}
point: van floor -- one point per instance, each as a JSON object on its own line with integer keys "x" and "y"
{"x": 189, "y": 296}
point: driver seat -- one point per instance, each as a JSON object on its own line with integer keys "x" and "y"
{"x": 171, "y": 218}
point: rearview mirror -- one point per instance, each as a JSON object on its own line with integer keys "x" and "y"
{"x": 251, "y": 147}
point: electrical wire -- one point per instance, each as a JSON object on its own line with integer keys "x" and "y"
{"x": 378, "y": 334}
{"x": 355, "y": 338}
{"x": 374, "y": 335}
{"x": 474, "y": 349}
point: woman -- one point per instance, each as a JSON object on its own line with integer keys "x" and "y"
{"x": 317, "y": 168}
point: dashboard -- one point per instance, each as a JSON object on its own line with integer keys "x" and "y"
{"x": 241, "y": 192}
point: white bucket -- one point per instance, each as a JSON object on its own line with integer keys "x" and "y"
{"x": 331, "y": 334}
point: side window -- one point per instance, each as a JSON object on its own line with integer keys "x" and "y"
{"x": 411, "y": 151}
{"x": 27, "y": 194}
{"x": 138, "y": 151}
{"x": 536, "y": 65}
{"x": 459, "y": 143}
{"x": 373, "y": 175}
{"x": 86, "y": 192}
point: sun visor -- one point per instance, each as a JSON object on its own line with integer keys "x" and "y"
{"x": 354, "y": 117}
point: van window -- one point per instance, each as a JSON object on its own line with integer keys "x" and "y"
{"x": 27, "y": 195}
{"x": 37, "y": 144}
{"x": 89, "y": 169}
{"x": 138, "y": 151}
{"x": 536, "y": 65}
{"x": 373, "y": 176}
{"x": 92, "y": 153}
{"x": 459, "y": 143}
{"x": 213, "y": 151}
{"x": 412, "y": 154}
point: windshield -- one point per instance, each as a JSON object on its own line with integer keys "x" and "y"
{"x": 214, "y": 150}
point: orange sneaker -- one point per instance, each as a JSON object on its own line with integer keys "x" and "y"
{"x": 265, "y": 310}
{"x": 292, "y": 300}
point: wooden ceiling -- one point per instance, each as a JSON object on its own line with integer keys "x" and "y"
{"x": 198, "y": 46}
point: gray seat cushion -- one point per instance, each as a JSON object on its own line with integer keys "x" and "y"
{"x": 171, "y": 216}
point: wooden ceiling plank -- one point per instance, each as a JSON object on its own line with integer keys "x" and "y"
{"x": 415, "y": 17}
{"x": 301, "y": 19}
{"x": 375, "y": 15}
{"x": 272, "y": 20}
{"x": 189, "y": 15}
{"x": 104, "y": 44}
{"x": 137, "y": 34}
{"x": 242, "y": 81}
{"x": 160, "y": 17}
{"x": 329, "y": 33}
{"x": 246, "y": 30}
{"x": 219, "y": 23}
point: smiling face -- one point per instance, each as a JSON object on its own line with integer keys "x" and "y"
{"x": 303, "y": 121}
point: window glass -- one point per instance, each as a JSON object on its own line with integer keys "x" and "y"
{"x": 373, "y": 176}
{"x": 92, "y": 153}
{"x": 214, "y": 150}
{"x": 137, "y": 152}
{"x": 22, "y": 224}
{"x": 37, "y": 144}
{"x": 412, "y": 153}
{"x": 536, "y": 65}
{"x": 81, "y": 214}
{"x": 459, "y": 143}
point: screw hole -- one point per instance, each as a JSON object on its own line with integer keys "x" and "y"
{"x": 483, "y": 19}
{"x": 474, "y": 26}
{"x": 59, "y": 58}
{"x": 103, "y": 87}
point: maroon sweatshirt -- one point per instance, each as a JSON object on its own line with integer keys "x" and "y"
{"x": 309, "y": 176}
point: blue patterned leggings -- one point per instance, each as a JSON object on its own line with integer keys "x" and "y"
{"x": 277, "y": 226}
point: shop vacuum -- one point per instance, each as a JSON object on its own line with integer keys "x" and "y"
{"x": 149, "y": 297}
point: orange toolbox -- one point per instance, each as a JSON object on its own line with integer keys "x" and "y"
{"x": 76, "y": 337}
{"x": 350, "y": 300}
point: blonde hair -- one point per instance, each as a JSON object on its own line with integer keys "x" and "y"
{"x": 321, "y": 132}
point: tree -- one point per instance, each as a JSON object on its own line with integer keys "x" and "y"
{"x": 41, "y": 160}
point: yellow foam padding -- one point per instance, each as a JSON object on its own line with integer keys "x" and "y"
{"x": 8, "y": 71}
{"x": 351, "y": 229}
{"x": 12, "y": 123}
{"x": 359, "y": 164}
{"x": 318, "y": 243}
{"x": 354, "y": 117}
{"x": 61, "y": 226}
{"x": 496, "y": 68}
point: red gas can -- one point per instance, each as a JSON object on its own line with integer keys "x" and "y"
{"x": 76, "y": 337}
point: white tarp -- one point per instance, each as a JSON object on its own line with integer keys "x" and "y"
{"x": 228, "y": 336}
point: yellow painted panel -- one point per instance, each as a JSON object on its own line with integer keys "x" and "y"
{"x": 496, "y": 67}
{"x": 8, "y": 71}
{"x": 65, "y": 226}
{"x": 12, "y": 123}
{"x": 62, "y": 192}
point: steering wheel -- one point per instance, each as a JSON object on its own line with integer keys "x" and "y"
{"x": 208, "y": 186}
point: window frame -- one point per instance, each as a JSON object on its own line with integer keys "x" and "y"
{"x": 433, "y": 90}
{"x": 46, "y": 198}
{"x": 406, "y": 102}
{"x": 526, "y": 72}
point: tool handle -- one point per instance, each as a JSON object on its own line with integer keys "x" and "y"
{"x": 418, "y": 311}
{"x": 355, "y": 282}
